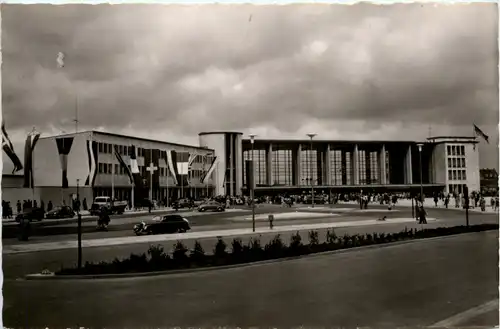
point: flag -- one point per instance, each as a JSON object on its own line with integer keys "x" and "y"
{"x": 9, "y": 150}
{"x": 479, "y": 132}
{"x": 28, "y": 158}
{"x": 60, "y": 60}
{"x": 63, "y": 148}
{"x": 134, "y": 168}
{"x": 122, "y": 163}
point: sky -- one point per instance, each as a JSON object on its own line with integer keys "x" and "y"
{"x": 168, "y": 72}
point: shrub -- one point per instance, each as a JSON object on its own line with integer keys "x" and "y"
{"x": 220, "y": 248}
{"x": 331, "y": 237}
{"x": 275, "y": 248}
{"x": 255, "y": 249}
{"x": 197, "y": 254}
{"x": 313, "y": 238}
{"x": 295, "y": 244}
{"x": 239, "y": 251}
{"x": 180, "y": 256}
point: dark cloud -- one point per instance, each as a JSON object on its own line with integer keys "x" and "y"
{"x": 185, "y": 69}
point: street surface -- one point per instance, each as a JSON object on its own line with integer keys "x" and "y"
{"x": 417, "y": 284}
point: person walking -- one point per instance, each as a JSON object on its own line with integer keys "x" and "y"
{"x": 84, "y": 204}
{"x": 422, "y": 215}
{"x": 49, "y": 206}
{"x": 19, "y": 207}
{"x": 482, "y": 203}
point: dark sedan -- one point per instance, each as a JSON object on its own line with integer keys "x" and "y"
{"x": 211, "y": 206}
{"x": 163, "y": 224}
{"x": 31, "y": 214}
{"x": 60, "y": 212}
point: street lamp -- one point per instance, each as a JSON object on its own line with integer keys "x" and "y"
{"x": 311, "y": 136}
{"x": 252, "y": 141}
{"x": 420, "y": 145}
{"x": 79, "y": 224}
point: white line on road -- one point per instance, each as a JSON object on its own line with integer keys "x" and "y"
{"x": 457, "y": 319}
{"x": 46, "y": 246}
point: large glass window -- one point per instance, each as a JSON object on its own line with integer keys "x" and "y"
{"x": 362, "y": 167}
{"x": 282, "y": 167}
{"x": 308, "y": 166}
{"x": 259, "y": 157}
{"x": 374, "y": 168}
{"x": 335, "y": 167}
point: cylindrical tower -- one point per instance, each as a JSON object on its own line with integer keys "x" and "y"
{"x": 228, "y": 174}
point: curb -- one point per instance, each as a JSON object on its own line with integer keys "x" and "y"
{"x": 52, "y": 276}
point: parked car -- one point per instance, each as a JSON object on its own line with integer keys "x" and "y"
{"x": 31, "y": 214}
{"x": 60, "y": 212}
{"x": 112, "y": 206}
{"x": 211, "y": 206}
{"x": 182, "y": 203}
{"x": 163, "y": 224}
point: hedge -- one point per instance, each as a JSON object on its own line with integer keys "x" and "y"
{"x": 182, "y": 258}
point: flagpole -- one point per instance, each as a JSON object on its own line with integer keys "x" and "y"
{"x": 32, "y": 166}
{"x": 112, "y": 179}
{"x": 168, "y": 177}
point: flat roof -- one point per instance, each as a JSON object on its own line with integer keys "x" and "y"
{"x": 219, "y": 133}
{"x": 329, "y": 141}
{"x": 105, "y": 133}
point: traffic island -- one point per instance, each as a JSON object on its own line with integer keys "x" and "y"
{"x": 158, "y": 262}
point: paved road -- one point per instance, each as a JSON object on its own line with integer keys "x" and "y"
{"x": 417, "y": 284}
{"x": 123, "y": 226}
{"x": 16, "y": 265}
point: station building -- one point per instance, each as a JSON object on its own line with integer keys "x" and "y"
{"x": 217, "y": 166}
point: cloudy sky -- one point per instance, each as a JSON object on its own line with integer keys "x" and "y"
{"x": 168, "y": 72}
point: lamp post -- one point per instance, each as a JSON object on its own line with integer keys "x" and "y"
{"x": 79, "y": 224}
{"x": 420, "y": 145}
{"x": 311, "y": 136}
{"x": 252, "y": 193}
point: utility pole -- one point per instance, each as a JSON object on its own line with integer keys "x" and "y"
{"x": 251, "y": 183}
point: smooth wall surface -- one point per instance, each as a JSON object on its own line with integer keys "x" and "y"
{"x": 217, "y": 143}
{"x": 47, "y": 168}
{"x": 472, "y": 163}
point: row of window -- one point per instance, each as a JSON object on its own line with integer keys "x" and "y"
{"x": 457, "y": 175}
{"x": 454, "y": 150}
{"x": 107, "y": 168}
{"x": 456, "y": 163}
{"x": 127, "y": 150}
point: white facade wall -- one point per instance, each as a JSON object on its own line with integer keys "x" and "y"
{"x": 439, "y": 164}
{"x": 216, "y": 142}
{"x": 472, "y": 163}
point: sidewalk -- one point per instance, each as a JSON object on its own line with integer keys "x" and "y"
{"x": 429, "y": 203}
{"x": 127, "y": 240}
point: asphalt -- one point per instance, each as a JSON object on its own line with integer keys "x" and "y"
{"x": 410, "y": 285}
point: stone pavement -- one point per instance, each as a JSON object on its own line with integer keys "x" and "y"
{"x": 70, "y": 244}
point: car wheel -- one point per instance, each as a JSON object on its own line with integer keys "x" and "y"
{"x": 181, "y": 230}
{"x": 220, "y": 209}
{"x": 202, "y": 209}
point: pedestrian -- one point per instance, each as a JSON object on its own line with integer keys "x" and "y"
{"x": 85, "y": 206}
{"x": 35, "y": 204}
{"x": 436, "y": 200}
{"x": 42, "y": 205}
{"x": 49, "y": 206}
{"x": 482, "y": 202}
{"x": 422, "y": 216}
{"x": 19, "y": 207}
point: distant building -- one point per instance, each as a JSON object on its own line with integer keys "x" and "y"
{"x": 217, "y": 166}
{"x": 489, "y": 181}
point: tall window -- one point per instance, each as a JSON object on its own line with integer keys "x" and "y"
{"x": 335, "y": 167}
{"x": 374, "y": 168}
{"x": 308, "y": 166}
{"x": 259, "y": 157}
{"x": 282, "y": 167}
{"x": 362, "y": 167}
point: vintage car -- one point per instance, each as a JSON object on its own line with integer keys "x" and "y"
{"x": 211, "y": 206}
{"x": 31, "y": 214}
{"x": 60, "y": 212}
{"x": 163, "y": 224}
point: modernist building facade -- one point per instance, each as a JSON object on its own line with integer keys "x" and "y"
{"x": 87, "y": 161}
{"x": 439, "y": 164}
